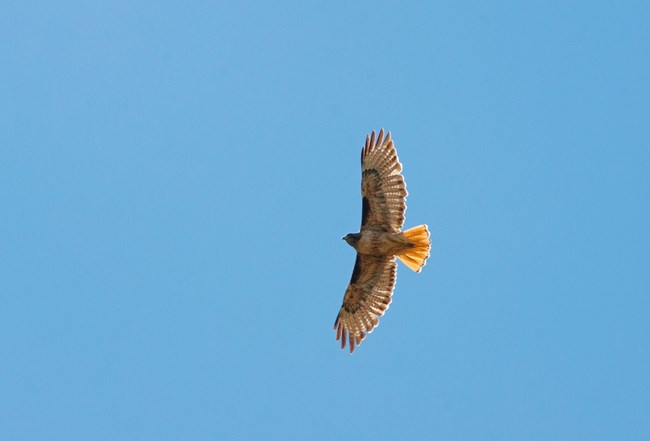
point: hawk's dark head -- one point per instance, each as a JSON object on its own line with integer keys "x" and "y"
{"x": 352, "y": 239}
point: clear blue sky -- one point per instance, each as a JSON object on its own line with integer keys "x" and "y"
{"x": 176, "y": 177}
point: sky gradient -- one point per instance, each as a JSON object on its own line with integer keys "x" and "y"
{"x": 176, "y": 178}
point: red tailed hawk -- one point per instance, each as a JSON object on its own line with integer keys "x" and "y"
{"x": 378, "y": 242}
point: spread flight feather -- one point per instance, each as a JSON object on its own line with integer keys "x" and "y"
{"x": 379, "y": 241}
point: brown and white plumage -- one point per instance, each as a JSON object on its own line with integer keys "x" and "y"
{"x": 383, "y": 190}
{"x": 379, "y": 241}
{"x": 366, "y": 299}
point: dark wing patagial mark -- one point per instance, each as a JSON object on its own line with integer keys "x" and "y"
{"x": 356, "y": 271}
{"x": 365, "y": 210}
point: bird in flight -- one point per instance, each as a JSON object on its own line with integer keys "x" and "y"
{"x": 379, "y": 241}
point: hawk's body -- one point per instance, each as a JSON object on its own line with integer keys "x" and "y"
{"x": 379, "y": 241}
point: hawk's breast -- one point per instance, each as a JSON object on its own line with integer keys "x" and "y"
{"x": 381, "y": 243}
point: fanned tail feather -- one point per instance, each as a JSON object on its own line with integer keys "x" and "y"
{"x": 416, "y": 257}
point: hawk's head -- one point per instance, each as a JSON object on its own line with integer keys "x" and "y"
{"x": 352, "y": 238}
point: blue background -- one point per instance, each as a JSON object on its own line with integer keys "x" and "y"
{"x": 175, "y": 180}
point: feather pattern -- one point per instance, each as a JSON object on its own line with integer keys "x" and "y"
{"x": 382, "y": 185}
{"x": 366, "y": 299}
{"x": 383, "y": 196}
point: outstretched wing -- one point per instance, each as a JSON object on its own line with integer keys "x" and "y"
{"x": 383, "y": 189}
{"x": 366, "y": 299}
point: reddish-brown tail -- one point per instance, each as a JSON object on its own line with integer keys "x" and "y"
{"x": 416, "y": 257}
